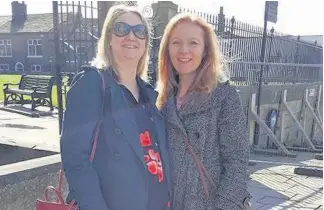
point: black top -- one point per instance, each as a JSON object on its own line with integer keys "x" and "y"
{"x": 158, "y": 197}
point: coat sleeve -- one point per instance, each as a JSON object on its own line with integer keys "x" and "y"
{"x": 80, "y": 119}
{"x": 234, "y": 149}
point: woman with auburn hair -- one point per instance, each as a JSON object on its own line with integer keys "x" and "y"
{"x": 130, "y": 168}
{"x": 206, "y": 124}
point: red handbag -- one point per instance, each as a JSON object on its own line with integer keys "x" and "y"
{"x": 59, "y": 203}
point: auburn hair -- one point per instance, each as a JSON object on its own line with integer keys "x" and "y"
{"x": 210, "y": 71}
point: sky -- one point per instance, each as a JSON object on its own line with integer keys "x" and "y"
{"x": 295, "y": 17}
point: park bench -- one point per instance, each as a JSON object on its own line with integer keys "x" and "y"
{"x": 37, "y": 87}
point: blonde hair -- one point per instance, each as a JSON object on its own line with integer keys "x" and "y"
{"x": 210, "y": 71}
{"x": 104, "y": 57}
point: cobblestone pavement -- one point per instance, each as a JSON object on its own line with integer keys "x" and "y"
{"x": 272, "y": 183}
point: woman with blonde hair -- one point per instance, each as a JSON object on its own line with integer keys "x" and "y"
{"x": 127, "y": 167}
{"x": 206, "y": 124}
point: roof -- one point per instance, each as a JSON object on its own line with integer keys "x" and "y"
{"x": 4, "y": 19}
{"x": 41, "y": 23}
{"x": 33, "y": 23}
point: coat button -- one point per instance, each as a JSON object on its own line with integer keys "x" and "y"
{"x": 116, "y": 155}
{"x": 197, "y": 135}
{"x": 117, "y": 131}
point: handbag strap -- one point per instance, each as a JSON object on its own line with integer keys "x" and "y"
{"x": 96, "y": 133}
{"x": 96, "y": 136}
{"x": 203, "y": 173}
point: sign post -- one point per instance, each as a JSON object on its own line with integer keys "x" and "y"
{"x": 270, "y": 14}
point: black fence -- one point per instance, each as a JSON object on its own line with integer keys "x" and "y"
{"x": 240, "y": 41}
{"x": 246, "y": 73}
{"x": 288, "y": 59}
{"x": 78, "y": 32}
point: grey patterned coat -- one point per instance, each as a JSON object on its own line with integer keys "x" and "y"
{"x": 216, "y": 129}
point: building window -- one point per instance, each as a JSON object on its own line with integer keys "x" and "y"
{"x": 5, "y": 48}
{"x": 4, "y": 67}
{"x": 19, "y": 67}
{"x": 80, "y": 50}
{"x": 35, "y": 47}
{"x": 36, "y": 68}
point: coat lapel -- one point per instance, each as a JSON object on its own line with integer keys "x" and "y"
{"x": 171, "y": 112}
{"x": 160, "y": 128}
{"x": 174, "y": 121}
{"x": 200, "y": 102}
{"x": 125, "y": 120}
{"x": 159, "y": 124}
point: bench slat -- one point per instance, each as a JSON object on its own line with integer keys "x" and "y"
{"x": 28, "y": 83}
{"x": 42, "y": 83}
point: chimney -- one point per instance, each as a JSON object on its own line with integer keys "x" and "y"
{"x": 19, "y": 11}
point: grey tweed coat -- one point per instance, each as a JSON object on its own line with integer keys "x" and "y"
{"x": 216, "y": 130}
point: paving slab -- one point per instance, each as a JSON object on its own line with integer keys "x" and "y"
{"x": 272, "y": 183}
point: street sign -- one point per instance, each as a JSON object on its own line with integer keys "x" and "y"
{"x": 271, "y": 11}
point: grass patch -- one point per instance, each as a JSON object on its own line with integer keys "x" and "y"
{"x": 14, "y": 79}
{"x": 6, "y": 78}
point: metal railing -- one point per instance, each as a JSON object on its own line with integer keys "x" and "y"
{"x": 248, "y": 73}
{"x": 242, "y": 41}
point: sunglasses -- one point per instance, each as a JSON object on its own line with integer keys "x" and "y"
{"x": 122, "y": 29}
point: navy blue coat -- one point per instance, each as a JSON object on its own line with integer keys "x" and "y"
{"x": 116, "y": 180}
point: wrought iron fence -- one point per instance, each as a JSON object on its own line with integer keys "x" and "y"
{"x": 288, "y": 59}
{"x": 78, "y": 32}
{"x": 247, "y": 73}
{"x": 240, "y": 41}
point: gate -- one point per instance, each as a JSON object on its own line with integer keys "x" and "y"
{"x": 76, "y": 32}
